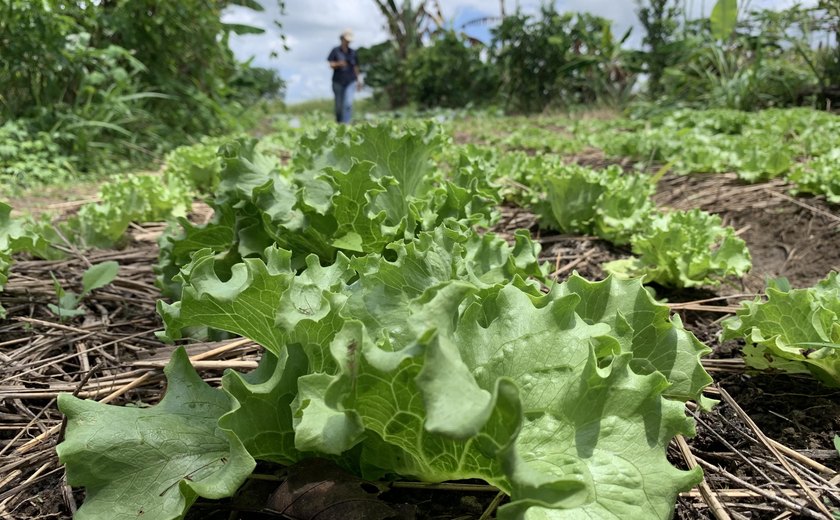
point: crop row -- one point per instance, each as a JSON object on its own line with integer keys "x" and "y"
{"x": 401, "y": 341}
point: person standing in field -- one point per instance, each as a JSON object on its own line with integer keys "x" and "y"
{"x": 345, "y": 66}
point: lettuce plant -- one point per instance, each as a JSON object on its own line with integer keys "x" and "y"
{"x": 607, "y": 203}
{"x": 196, "y": 165}
{"x": 819, "y": 177}
{"x": 22, "y": 235}
{"x": 350, "y": 191}
{"x": 684, "y": 249}
{"x": 134, "y": 198}
{"x": 792, "y": 330}
{"x": 436, "y": 360}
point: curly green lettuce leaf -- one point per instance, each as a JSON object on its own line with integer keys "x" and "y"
{"x": 380, "y": 384}
{"x": 400, "y": 154}
{"x": 560, "y": 361}
{"x": 266, "y": 301}
{"x": 684, "y": 249}
{"x": 609, "y": 433}
{"x": 153, "y": 463}
{"x": 24, "y": 235}
{"x": 347, "y": 190}
{"x": 819, "y": 176}
{"x": 646, "y": 329}
{"x": 608, "y": 203}
{"x": 262, "y": 300}
{"x": 383, "y": 295}
{"x": 262, "y": 415}
{"x": 434, "y": 402}
{"x": 133, "y": 198}
{"x": 573, "y": 194}
{"x": 197, "y": 165}
{"x": 793, "y": 331}
{"x": 358, "y": 228}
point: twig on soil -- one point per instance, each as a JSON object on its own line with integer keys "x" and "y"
{"x": 739, "y": 454}
{"x": 200, "y": 365}
{"x": 708, "y": 495}
{"x": 493, "y": 505}
{"x": 691, "y": 306}
{"x": 766, "y": 494}
{"x": 571, "y": 265}
{"x": 53, "y": 325}
{"x": 801, "y": 204}
{"x": 723, "y": 365}
{"x": 776, "y": 453}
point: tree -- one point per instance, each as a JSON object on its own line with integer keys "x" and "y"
{"x": 660, "y": 21}
{"x": 407, "y": 25}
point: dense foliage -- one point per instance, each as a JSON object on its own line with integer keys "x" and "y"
{"x": 98, "y": 83}
{"x": 737, "y": 58}
{"x": 450, "y": 73}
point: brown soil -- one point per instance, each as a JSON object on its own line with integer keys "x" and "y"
{"x": 794, "y": 237}
{"x": 54, "y": 199}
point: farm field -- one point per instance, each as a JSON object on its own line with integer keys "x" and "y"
{"x": 419, "y": 301}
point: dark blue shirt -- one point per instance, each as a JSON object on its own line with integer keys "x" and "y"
{"x": 347, "y": 74}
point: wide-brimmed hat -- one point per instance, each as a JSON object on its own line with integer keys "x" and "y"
{"x": 347, "y": 34}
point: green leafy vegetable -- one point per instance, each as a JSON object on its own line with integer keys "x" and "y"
{"x": 794, "y": 330}
{"x": 819, "y": 176}
{"x": 608, "y": 203}
{"x": 350, "y": 191}
{"x": 685, "y": 249}
{"x": 152, "y": 463}
{"x": 136, "y": 198}
{"x": 196, "y": 165}
{"x": 444, "y": 364}
{"x": 99, "y": 275}
{"x": 96, "y": 276}
{"x": 23, "y": 235}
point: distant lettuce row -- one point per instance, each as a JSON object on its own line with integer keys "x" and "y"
{"x": 675, "y": 249}
{"x": 793, "y": 143}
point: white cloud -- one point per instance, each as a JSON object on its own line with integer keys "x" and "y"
{"x": 312, "y": 29}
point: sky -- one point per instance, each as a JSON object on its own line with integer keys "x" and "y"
{"x": 312, "y": 28}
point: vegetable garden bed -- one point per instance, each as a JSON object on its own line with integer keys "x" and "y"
{"x": 767, "y": 449}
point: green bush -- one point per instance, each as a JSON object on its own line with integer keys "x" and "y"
{"x": 119, "y": 80}
{"x": 450, "y": 73}
{"x": 561, "y": 60}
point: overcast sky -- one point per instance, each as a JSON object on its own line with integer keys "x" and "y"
{"x": 312, "y": 29}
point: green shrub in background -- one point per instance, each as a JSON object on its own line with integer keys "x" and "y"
{"x": 31, "y": 157}
{"x": 101, "y": 83}
{"x": 450, "y": 73}
{"x": 559, "y": 59}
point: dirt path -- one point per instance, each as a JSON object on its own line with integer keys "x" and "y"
{"x": 54, "y": 199}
